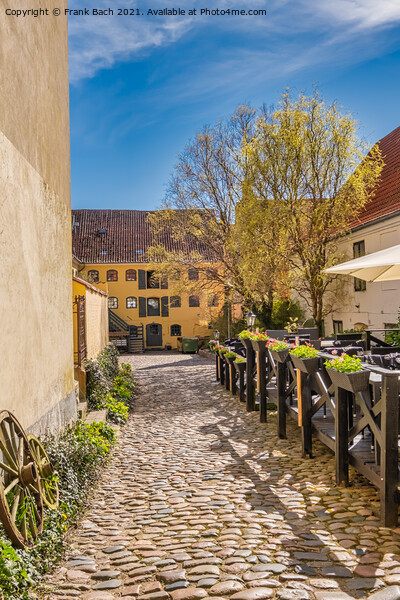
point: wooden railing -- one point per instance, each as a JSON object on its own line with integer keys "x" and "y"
{"x": 361, "y": 426}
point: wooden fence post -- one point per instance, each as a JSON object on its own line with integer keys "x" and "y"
{"x": 232, "y": 374}
{"x": 222, "y": 370}
{"x": 341, "y": 437}
{"x": 241, "y": 386}
{"x": 250, "y": 399}
{"x": 389, "y": 450}
{"x": 217, "y": 366}
{"x": 281, "y": 375}
{"x": 227, "y": 375}
{"x": 305, "y": 407}
{"x": 262, "y": 388}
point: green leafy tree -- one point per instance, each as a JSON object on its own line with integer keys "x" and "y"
{"x": 308, "y": 177}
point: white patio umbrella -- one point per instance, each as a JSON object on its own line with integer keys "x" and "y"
{"x": 378, "y": 266}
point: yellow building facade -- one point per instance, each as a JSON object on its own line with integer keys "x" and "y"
{"x": 104, "y": 241}
{"x": 35, "y": 234}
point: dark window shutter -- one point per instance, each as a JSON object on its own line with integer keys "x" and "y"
{"x": 164, "y": 306}
{"x": 142, "y": 306}
{"x": 164, "y": 282}
{"x": 142, "y": 279}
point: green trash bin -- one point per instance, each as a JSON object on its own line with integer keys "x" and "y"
{"x": 190, "y": 344}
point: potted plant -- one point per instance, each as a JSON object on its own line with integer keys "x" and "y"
{"x": 240, "y": 363}
{"x": 279, "y": 350}
{"x": 347, "y": 373}
{"x": 258, "y": 340}
{"x": 212, "y": 344}
{"x": 230, "y": 357}
{"x": 305, "y": 358}
{"x": 245, "y": 336}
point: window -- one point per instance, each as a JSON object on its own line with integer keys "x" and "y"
{"x": 152, "y": 281}
{"x": 176, "y": 330}
{"x": 212, "y": 300}
{"x": 175, "y": 275}
{"x": 175, "y": 302}
{"x": 93, "y": 276}
{"x": 193, "y": 274}
{"x": 131, "y": 302}
{"x": 359, "y": 250}
{"x": 112, "y": 302}
{"x": 153, "y": 307}
{"x": 194, "y": 301}
{"x": 130, "y": 275}
{"x": 337, "y": 326}
{"x": 112, "y": 275}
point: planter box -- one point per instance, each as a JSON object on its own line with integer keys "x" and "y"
{"x": 259, "y": 345}
{"x": 240, "y": 366}
{"x": 352, "y": 382}
{"x": 306, "y": 365}
{"x": 280, "y": 356}
{"x": 230, "y": 359}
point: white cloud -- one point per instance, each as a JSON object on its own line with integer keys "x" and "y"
{"x": 363, "y": 14}
{"x": 98, "y": 42}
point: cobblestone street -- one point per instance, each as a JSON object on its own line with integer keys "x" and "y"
{"x": 200, "y": 499}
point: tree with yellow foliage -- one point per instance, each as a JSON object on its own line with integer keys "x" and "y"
{"x": 308, "y": 177}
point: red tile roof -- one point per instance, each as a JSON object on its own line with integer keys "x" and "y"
{"x": 387, "y": 195}
{"x": 126, "y": 238}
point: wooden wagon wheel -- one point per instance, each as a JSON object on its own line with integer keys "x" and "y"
{"x": 48, "y": 481}
{"x": 21, "y": 505}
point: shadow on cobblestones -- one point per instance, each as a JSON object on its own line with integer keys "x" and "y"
{"x": 202, "y": 500}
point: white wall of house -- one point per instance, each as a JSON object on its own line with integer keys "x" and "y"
{"x": 379, "y": 304}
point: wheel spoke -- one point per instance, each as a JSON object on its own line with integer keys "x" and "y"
{"x": 15, "y": 505}
{"x": 6, "y": 438}
{"x": 13, "y": 437}
{"x": 6, "y": 453}
{"x": 8, "y": 469}
{"x": 21, "y": 451}
{"x": 11, "y": 486}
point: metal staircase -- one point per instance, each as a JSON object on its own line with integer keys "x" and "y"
{"x": 129, "y": 336}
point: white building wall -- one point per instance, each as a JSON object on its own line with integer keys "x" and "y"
{"x": 379, "y": 304}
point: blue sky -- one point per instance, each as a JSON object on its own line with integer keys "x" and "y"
{"x": 141, "y": 86}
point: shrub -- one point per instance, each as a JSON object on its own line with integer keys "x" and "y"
{"x": 344, "y": 364}
{"x": 240, "y": 359}
{"x": 277, "y": 345}
{"x": 245, "y": 334}
{"x": 304, "y": 351}
{"x": 77, "y": 455}
{"x": 117, "y": 412}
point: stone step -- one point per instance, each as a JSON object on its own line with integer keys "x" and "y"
{"x": 96, "y": 416}
{"x": 82, "y": 410}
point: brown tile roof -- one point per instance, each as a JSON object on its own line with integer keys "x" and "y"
{"x": 387, "y": 195}
{"x": 126, "y": 238}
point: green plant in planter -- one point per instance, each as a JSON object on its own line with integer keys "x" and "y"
{"x": 212, "y": 344}
{"x": 259, "y": 337}
{"x": 245, "y": 334}
{"x": 230, "y": 354}
{"x": 304, "y": 351}
{"x": 223, "y": 350}
{"x": 344, "y": 364}
{"x": 277, "y": 345}
{"x": 240, "y": 359}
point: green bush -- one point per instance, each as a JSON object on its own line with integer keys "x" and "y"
{"x": 109, "y": 386}
{"x": 117, "y": 412}
{"x": 77, "y": 456}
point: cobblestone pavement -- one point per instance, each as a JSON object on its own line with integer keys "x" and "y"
{"x": 201, "y": 500}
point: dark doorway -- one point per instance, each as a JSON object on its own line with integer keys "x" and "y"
{"x": 154, "y": 334}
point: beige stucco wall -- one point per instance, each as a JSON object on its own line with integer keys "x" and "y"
{"x": 96, "y": 322}
{"x": 36, "y": 348}
{"x": 379, "y": 304}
